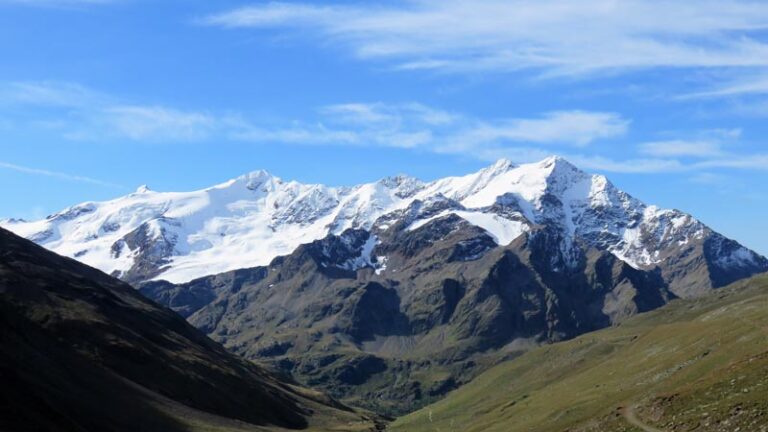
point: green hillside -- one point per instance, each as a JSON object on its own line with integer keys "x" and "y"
{"x": 692, "y": 365}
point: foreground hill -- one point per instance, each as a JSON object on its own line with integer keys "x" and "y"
{"x": 692, "y": 365}
{"x": 81, "y": 351}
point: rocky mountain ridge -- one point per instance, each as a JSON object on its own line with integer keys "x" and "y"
{"x": 249, "y": 221}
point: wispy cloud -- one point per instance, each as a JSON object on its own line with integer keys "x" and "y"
{"x": 94, "y": 116}
{"x": 379, "y": 113}
{"x": 579, "y": 135}
{"x": 159, "y": 123}
{"x": 414, "y": 125}
{"x": 674, "y": 148}
{"x": 749, "y": 85}
{"x": 709, "y": 179}
{"x": 555, "y": 37}
{"x": 568, "y": 133}
{"x": 86, "y": 114}
{"x": 50, "y": 93}
{"x": 56, "y": 3}
{"x": 56, "y": 174}
{"x": 752, "y": 161}
{"x": 633, "y": 165}
{"x": 578, "y": 128}
{"x": 711, "y": 148}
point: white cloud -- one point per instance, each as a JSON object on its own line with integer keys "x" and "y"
{"x": 57, "y": 3}
{"x": 81, "y": 113}
{"x": 570, "y": 133}
{"x": 297, "y": 134}
{"x": 674, "y": 148}
{"x": 412, "y": 125}
{"x": 721, "y": 133}
{"x": 753, "y": 161}
{"x": 744, "y": 86}
{"x": 156, "y": 123}
{"x": 361, "y": 113}
{"x": 644, "y": 166}
{"x": 393, "y": 114}
{"x": 709, "y": 179}
{"x": 55, "y": 174}
{"x": 557, "y": 37}
{"x": 49, "y": 93}
{"x": 578, "y": 128}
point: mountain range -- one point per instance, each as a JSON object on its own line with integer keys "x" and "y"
{"x": 250, "y": 220}
{"x": 390, "y": 294}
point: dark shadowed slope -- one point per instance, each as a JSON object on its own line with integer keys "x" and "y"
{"x": 81, "y": 351}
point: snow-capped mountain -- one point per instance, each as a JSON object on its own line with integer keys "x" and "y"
{"x": 250, "y": 220}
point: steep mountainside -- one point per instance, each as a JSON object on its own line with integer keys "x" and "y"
{"x": 396, "y": 340}
{"x": 430, "y": 305}
{"x": 693, "y": 365}
{"x": 81, "y": 351}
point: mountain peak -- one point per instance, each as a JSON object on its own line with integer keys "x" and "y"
{"x": 143, "y": 189}
{"x": 254, "y": 179}
{"x": 501, "y": 165}
{"x": 399, "y": 180}
{"x": 559, "y": 169}
{"x": 558, "y": 162}
{"x": 256, "y": 174}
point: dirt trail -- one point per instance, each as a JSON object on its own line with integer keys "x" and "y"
{"x": 629, "y": 415}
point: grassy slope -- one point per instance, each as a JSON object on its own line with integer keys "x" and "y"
{"x": 692, "y": 365}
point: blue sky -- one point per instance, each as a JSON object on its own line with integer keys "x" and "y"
{"x": 670, "y": 101}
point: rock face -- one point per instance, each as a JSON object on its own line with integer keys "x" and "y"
{"x": 81, "y": 351}
{"x": 389, "y": 294}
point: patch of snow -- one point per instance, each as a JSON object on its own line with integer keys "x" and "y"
{"x": 366, "y": 256}
{"x": 738, "y": 258}
{"x": 381, "y": 264}
{"x": 503, "y": 231}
